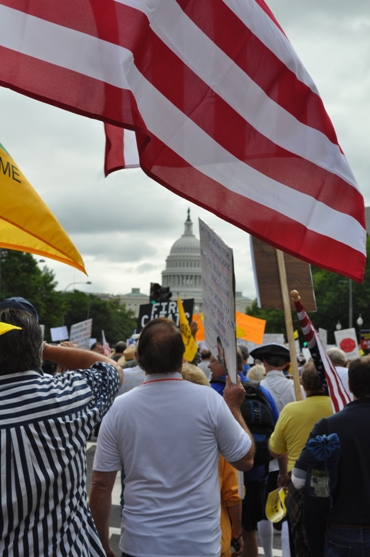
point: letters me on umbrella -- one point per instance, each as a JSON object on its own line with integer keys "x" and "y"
{"x": 26, "y": 223}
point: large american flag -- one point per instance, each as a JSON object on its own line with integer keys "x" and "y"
{"x": 223, "y": 111}
{"x": 331, "y": 382}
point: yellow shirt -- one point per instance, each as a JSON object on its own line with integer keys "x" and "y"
{"x": 295, "y": 423}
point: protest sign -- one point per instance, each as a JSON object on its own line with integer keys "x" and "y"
{"x": 250, "y": 328}
{"x": 323, "y": 334}
{"x": 81, "y": 333}
{"x": 59, "y": 333}
{"x": 148, "y": 312}
{"x": 365, "y": 339}
{"x": 346, "y": 340}
{"x": 218, "y": 293}
{"x": 267, "y": 281}
{"x": 187, "y": 337}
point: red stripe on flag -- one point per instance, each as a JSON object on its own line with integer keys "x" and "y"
{"x": 252, "y": 217}
{"x": 229, "y": 33}
{"x": 170, "y": 83}
{"x": 320, "y": 358}
{"x": 66, "y": 89}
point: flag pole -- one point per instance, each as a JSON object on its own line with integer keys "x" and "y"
{"x": 288, "y": 322}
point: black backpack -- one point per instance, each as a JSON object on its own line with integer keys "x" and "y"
{"x": 257, "y": 414}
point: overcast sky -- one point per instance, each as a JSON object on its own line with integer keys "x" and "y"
{"x": 125, "y": 225}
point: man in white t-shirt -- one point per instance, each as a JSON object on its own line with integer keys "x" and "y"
{"x": 167, "y": 433}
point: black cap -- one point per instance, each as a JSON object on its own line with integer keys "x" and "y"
{"x": 19, "y": 303}
{"x": 272, "y": 349}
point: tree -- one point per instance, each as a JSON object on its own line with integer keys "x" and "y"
{"x": 20, "y": 275}
{"x": 109, "y": 316}
{"x": 332, "y": 293}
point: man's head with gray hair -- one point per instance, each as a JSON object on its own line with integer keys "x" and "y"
{"x": 337, "y": 356}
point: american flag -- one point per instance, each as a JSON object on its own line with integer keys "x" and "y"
{"x": 106, "y": 348}
{"x": 223, "y": 111}
{"x": 120, "y": 149}
{"x": 330, "y": 379}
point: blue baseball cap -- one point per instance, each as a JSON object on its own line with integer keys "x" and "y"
{"x": 19, "y": 303}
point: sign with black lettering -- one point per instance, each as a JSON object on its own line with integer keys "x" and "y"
{"x": 148, "y": 312}
{"x": 365, "y": 339}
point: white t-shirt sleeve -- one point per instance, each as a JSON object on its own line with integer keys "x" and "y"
{"x": 107, "y": 457}
{"x": 233, "y": 441}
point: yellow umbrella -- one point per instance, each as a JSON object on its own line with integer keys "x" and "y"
{"x": 26, "y": 223}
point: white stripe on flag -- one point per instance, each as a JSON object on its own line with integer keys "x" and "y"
{"x": 273, "y": 169}
{"x": 206, "y": 60}
{"x": 170, "y": 125}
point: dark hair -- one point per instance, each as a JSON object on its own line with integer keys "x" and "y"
{"x": 276, "y": 361}
{"x": 310, "y": 378}
{"x": 359, "y": 377}
{"x": 120, "y": 346}
{"x": 20, "y": 350}
{"x": 239, "y": 359}
{"x": 161, "y": 348}
{"x": 244, "y": 351}
{"x": 94, "y": 345}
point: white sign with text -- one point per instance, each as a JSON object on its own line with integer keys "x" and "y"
{"x": 218, "y": 293}
{"x": 346, "y": 340}
{"x": 81, "y": 333}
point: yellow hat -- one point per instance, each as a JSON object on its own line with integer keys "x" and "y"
{"x": 275, "y": 505}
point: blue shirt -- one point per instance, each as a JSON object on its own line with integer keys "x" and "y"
{"x": 219, "y": 386}
{"x": 257, "y": 473}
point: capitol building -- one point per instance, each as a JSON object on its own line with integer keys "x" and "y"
{"x": 182, "y": 274}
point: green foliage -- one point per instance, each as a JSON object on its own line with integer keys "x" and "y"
{"x": 332, "y": 293}
{"x": 108, "y": 315}
{"x": 21, "y": 275}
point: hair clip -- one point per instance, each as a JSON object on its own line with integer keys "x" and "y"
{"x": 6, "y": 327}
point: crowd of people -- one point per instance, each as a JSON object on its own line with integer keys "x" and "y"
{"x": 196, "y": 468}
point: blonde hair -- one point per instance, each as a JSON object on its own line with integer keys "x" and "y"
{"x": 256, "y": 373}
{"x": 194, "y": 374}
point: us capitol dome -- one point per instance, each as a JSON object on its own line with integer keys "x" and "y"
{"x": 182, "y": 274}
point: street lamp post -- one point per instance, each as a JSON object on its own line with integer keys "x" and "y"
{"x": 72, "y": 283}
{"x": 359, "y": 322}
{"x": 66, "y": 288}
